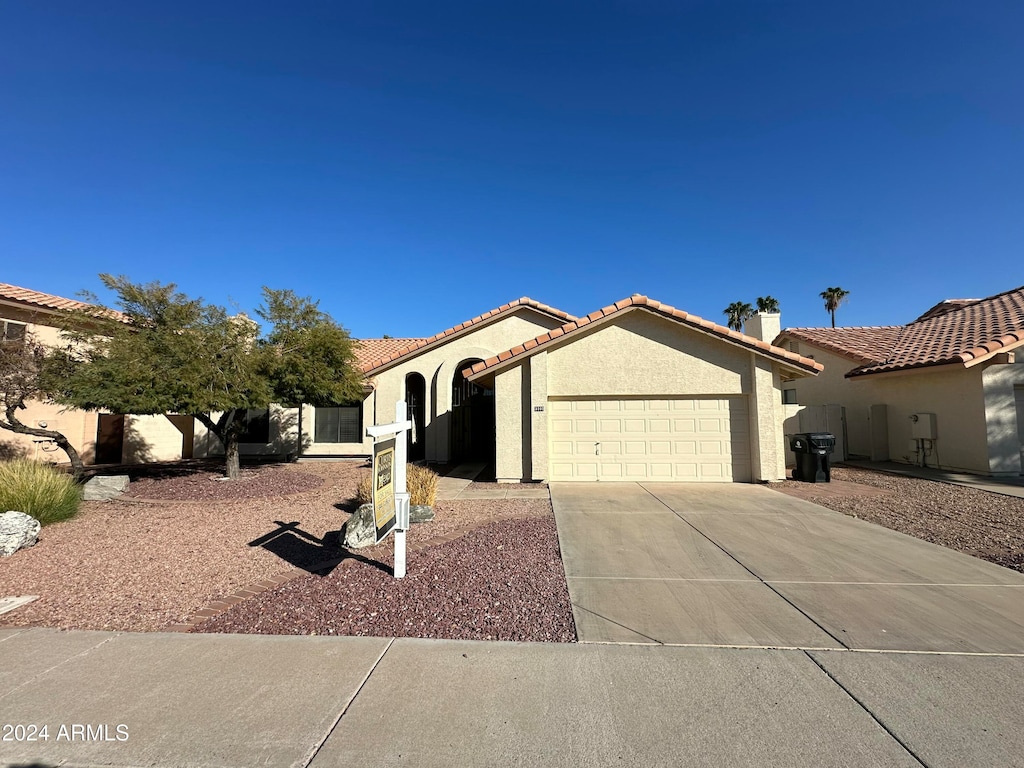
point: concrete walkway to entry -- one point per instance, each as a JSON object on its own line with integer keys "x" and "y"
{"x": 456, "y": 485}
{"x": 743, "y": 565}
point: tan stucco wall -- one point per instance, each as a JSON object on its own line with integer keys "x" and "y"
{"x": 643, "y": 354}
{"x": 635, "y": 355}
{"x": 438, "y": 367}
{"x": 955, "y": 394}
{"x": 283, "y": 436}
{"x": 156, "y": 438}
{"x": 767, "y": 449}
{"x": 510, "y": 416}
{"x": 831, "y": 387}
{"x": 1002, "y": 429}
{"x": 79, "y": 427}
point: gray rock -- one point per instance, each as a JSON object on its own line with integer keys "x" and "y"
{"x": 17, "y": 531}
{"x": 360, "y": 530}
{"x": 420, "y": 513}
{"x": 101, "y": 488}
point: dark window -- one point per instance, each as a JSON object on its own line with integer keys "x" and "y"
{"x": 789, "y": 396}
{"x": 12, "y": 331}
{"x": 256, "y": 426}
{"x": 339, "y": 424}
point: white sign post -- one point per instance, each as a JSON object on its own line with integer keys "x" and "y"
{"x": 398, "y": 429}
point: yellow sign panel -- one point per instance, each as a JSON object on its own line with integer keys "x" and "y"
{"x": 384, "y": 487}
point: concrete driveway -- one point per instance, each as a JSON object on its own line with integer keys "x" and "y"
{"x": 742, "y": 565}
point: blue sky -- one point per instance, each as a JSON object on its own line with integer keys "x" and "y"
{"x": 414, "y": 164}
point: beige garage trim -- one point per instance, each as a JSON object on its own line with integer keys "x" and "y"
{"x": 696, "y": 439}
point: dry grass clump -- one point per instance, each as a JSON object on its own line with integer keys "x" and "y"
{"x": 420, "y": 482}
{"x": 38, "y": 490}
{"x": 422, "y": 485}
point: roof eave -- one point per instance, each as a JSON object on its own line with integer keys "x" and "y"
{"x": 382, "y": 364}
{"x": 602, "y": 317}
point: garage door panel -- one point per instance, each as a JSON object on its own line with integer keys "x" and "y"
{"x": 635, "y": 439}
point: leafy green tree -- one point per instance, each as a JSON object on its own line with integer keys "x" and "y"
{"x": 22, "y": 363}
{"x": 833, "y": 298}
{"x": 181, "y": 355}
{"x": 767, "y": 304}
{"x": 738, "y": 313}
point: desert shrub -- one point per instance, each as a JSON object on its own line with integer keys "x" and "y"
{"x": 422, "y": 485}
{"x": 364, "y": 491}
{"x": 39, "y": 490}
{"x": 420, "y": 482}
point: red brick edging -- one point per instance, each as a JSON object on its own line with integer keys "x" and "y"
{"x": 219, "y": 606}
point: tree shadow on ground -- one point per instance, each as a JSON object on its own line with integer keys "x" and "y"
{"x": 319, "y": 555}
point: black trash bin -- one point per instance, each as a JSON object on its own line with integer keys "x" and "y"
{"x": 812, "y": 451}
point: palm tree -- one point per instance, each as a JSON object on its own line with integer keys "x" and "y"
{"x": 767, "y": 304}
{"x": 738, "y": 312}
{"x": 833, "y": 298}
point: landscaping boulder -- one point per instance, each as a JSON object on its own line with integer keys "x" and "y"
{"x": 360, "y": 530}
{"x": 17, "y": 531}
{"x": 420, "y": 513}
{"x": 101, "y": 488}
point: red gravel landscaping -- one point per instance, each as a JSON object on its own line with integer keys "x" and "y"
{"x": 503, "y": 581}
{"x": 258, "y": 482}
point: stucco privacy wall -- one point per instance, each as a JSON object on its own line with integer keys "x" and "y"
{"x": 635, "y": 354}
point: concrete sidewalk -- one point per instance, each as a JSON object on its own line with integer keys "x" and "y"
{"x": 237, "y": 700}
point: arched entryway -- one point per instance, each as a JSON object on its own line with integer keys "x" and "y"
{"x": 416, "y": 404}
{"x": 472, "y": 431}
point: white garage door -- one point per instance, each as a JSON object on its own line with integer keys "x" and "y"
{"x": 705, "y": 439}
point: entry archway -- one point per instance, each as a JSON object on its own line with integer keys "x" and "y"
{"x": 472, "y": 425}
{"x": 416, "y": 404}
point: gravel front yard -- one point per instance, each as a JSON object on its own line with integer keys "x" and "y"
{"x": 987, "y": 525}
{"x": 503, "y": 581}
{"x": 133, "y": 565}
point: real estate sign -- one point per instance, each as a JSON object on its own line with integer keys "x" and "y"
{"x": 384, "y": 487}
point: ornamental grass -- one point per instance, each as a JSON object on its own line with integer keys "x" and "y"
{"x": 39, "y": 490}
{"x": 420, "y": 482}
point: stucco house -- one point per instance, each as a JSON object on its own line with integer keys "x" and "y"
{"x": 636, "y": 390}
{"x": 946, "y": 390}
{"x": 103, "y": 438}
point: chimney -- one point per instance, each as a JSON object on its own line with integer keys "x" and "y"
{"x": 765, "y": 326}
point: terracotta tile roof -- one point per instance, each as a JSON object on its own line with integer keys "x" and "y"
{"x": 48, "y": 302}
{"x": 368, "y": 350}
{"x": 946, "y": 306}
{"x": 966, "y": 335}
{"x": 867, "y": 344}
{"x": 656, "y": 307}
{"x": 39, "y": 300}
{"x": 392, "y": 356}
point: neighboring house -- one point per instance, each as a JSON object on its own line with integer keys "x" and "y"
{"x": 945, "y": 390}
{"x": 635, "y": 391}
{"x": 100, "y": 438}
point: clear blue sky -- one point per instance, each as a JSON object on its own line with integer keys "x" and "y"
{"x": 444, "y": 158}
